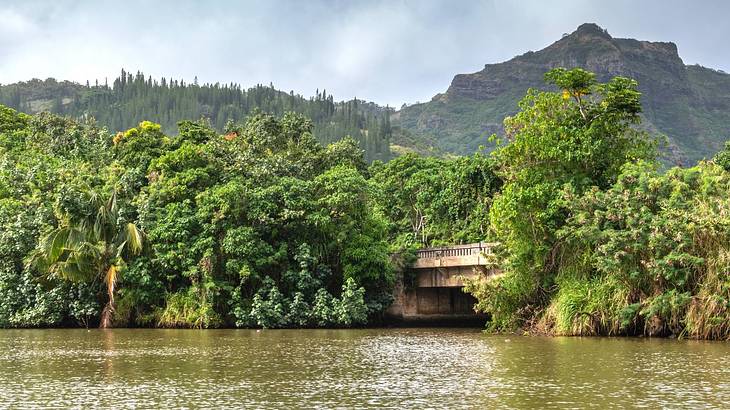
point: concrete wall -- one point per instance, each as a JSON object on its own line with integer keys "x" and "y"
{"x": 444, "y": 277}
{"x": 444, "y": 305}
{"x": 436, "y": 295}
{"x": 442, "y": 301}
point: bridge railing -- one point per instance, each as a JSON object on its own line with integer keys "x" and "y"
{"x": 456, "y": 250}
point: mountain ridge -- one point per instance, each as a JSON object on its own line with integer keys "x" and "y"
{"x": 689, "y": 104}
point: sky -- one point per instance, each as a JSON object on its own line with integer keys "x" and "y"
{"x": 391, "y": 52}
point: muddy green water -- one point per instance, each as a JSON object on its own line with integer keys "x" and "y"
{"x": 375, "y": 368}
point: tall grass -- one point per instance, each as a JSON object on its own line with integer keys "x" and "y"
{"x": 708, "y": 315}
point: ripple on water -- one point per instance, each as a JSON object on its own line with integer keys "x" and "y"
{"x": 383, "y": 368}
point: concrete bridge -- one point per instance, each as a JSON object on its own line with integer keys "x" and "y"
{"x": 432, "y": 288}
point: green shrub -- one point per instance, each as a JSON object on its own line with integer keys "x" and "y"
{"x": 350, "y": 309}
{"x": 661, "y": 241}
{"x": 187, "y": 309}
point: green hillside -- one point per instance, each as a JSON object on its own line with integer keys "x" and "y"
{"x": 131, "y": 99}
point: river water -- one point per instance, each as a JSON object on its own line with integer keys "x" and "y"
{"x": 372, "y": 368}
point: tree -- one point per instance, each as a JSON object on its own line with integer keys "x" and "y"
{"x": 134, "y": 99}
{"x": 11, "y": 120}
{"x": 562, "y": 141}
{"x": 722, "y": 158}
{"x": 430, "y": 201}
{"x": 89, "y": 244}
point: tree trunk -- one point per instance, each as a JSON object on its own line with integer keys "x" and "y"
{"x": 107, "y": 316}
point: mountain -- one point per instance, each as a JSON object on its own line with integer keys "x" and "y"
{"x": 689, "y": 104}
{"x": 134, "y": 98}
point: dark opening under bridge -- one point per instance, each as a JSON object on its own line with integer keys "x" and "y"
{"x": 432, "y": 288}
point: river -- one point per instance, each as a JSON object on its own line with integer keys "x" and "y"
{"x": 370, "y": 368}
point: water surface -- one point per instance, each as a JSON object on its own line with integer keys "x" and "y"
{"x": 383, "y": 368}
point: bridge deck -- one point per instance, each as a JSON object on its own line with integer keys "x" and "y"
{"x": 473, "y": 254}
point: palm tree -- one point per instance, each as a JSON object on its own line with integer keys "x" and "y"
{"x": 93, "y": 245}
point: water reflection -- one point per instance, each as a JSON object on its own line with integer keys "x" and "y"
{"x": 392, "y": 368}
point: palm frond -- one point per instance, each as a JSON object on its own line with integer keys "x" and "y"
{"x": 76, "y": 236}
{"x": 90, "y": 245}
{"x": 56, "y": 243}
{"x": 93, "y": 197}
{"x": 72, "y": 269}
{"x": 51, "y": 248}
{"x": 110, "y": 279}
{"x": 101, "y": 221}
{"x": 134, "y": 239}
{"x": 120, "y": 249}
{"x": 38, "y": 260}
{"x": 111, "y": 204}
{"x": 89, "y": 250}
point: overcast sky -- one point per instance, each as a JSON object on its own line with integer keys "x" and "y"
{"x": 390, "y": 52}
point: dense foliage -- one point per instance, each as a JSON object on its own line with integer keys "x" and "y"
{"x": 265, "y": 228}
{"x": 260, "y": 225}
{"x": 722, "y": 158}
{"x": 432, "y": 201}
{"x": 45, "y": 161}
{"x": 595, "y": 239}
{"x": 650, "y": 255}
{"x": 131, "y": 99}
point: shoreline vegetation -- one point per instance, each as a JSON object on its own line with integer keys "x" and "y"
{"x": 263, "y": 226}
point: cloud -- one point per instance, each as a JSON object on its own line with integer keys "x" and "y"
{"x": 14, "y": 24}
{"x": 392, "y": 51}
